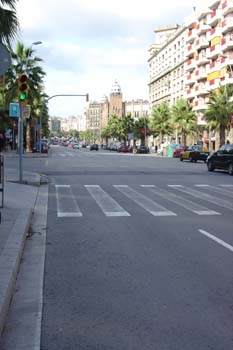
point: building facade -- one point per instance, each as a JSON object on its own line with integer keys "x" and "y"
{"x": 194, "y": 60}
{"x": 137, "y": 108}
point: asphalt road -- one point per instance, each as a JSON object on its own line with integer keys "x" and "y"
{"x": 139, "y": 253}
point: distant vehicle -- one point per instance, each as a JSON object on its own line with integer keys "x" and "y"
{"x": 84, "y": 145}
{"x": 44, "y": 147}
{"x": 194, "y": 153}
{"x": 142, "y": 149}
{"x": 75, "y": 146}
{"x": 94, "y": 147}
{"x": 221, "y": 159}
{"x": 124, "y": 149}
{"x": 177, "y": 152}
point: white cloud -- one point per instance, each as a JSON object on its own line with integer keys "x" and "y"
{"x": 87, "y": 44}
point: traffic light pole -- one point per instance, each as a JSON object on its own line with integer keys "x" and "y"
{"x": 20, "y": 141}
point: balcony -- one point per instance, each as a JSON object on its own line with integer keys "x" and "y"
{"x": 201, "y": 59}
{"x": 200, "y": 105}
{"x": 190, "y": 79}
{"x": 191, "y": 50}
{"x": 200, "y": 74}
{"x": 214, "y": 51}
{"x": 201, "y": 89}
{"x": 216, "y": 31}
{"x": 226, "y": 62}
{"x": 202, "y": 43}
{"x": 213, "y": 66}
{"x": 227, "y": 42}
{"x": 190, "y": 94}
{"x": 214, "y": 17}
{"x": 202, "y": 28}
{"x": 213, "y": 84}
{"x": 191, "y": 36}
{"x": 227, "y": 25}
{"x": 227, "y": 7}
{"x": 190, "y": 65}
{"x": 228, "y": 79}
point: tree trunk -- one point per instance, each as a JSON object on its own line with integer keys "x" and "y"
{"x": 222, "y": 134}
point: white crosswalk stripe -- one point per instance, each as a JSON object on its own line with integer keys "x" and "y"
{"x": 205, "y": 196}
{"x": 187, "y": 204}
{"x": 67, "y": 205}
{"x": 108, "y": 205}
{"x": 217, "y": 190}
{"x": 152, "y": 207}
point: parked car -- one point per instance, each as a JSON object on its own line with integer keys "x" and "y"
{"x": 94, "y": 147}
{"x": 44, "y": 147}
{"x": 177, "y": 152}
{"x": 75, "y": 146}
{"x": 194, "y": 153}
{"x": 124, "y": 149}
{"x": 221, "y": 159}
{"x": 142, "y": 149}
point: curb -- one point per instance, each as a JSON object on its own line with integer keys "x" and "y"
{"x": 10, "y": 261}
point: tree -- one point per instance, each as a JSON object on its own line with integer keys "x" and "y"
{"x": 219, "y": 109}
{"x": 9, "y": 24}
{"x": 160, "y": 122}
{"x": 139, "y": 127}
{"x": 127, "y": 124}
{"x": 184, "y": 119}
{"x": 23, "y": 61}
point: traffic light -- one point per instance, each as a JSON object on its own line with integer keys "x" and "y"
{"x": 23, "y": 88}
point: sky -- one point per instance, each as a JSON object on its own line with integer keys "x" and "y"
{"x": 88, "y": 44}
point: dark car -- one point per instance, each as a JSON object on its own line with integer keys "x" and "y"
{"x": 44, "y": 147}
{"x": 221, "y": 159}
{"x": 194, "y": 153}
{"x": 94, "y": 147}
{"x": 141, "y": 149}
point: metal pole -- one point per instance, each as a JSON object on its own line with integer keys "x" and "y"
{"x": 20, "y": 141}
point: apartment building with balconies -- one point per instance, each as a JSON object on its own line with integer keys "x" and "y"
{"x": 166, "y": 65}
{"x": 194, "y": 60}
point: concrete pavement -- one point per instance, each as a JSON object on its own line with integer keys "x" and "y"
{"x": 19, "y": 202}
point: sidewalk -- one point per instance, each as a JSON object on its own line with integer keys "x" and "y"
{"x": 19, "y": 201}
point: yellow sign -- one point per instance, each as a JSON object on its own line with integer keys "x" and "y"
{"x": 213, "y": 75}
{"x": 215, "y": 41}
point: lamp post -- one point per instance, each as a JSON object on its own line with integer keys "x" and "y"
{"x": 20, "y": 123}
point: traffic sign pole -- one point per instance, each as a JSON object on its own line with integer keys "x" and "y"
{"x": 20, "y": 141}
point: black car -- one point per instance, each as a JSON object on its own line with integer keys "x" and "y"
{"x": 141, "y": 149}
{"x": 94, "y": 147}
{"x": 221, "y": 159}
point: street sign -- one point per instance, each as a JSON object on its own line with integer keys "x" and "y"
{"x": 5, "y": 59}
{"x": 26, "y": 112}
{"x": 14, "y": 110}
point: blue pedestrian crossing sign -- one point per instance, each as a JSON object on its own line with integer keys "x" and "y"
{"x": 14, "y": 110}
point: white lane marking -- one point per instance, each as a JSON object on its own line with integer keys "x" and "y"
{"x": 207, "y": 197}
{"x": 217, "y": 190}
{"x": 183, "y": 202}
{"x": 66, "y": 203}
{"x": 226, "y": 185}
{"x": 152, "y": 207}
{"x": 216, "y": 239}
{"x": 106, "y": 203}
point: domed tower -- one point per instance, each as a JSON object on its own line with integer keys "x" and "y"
{"x": 115, "y": 104}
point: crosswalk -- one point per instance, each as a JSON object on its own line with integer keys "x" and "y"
{"x": 198, "y": 199}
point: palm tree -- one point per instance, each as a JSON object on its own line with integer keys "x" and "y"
{"x": 219, "y": 110}
{"x": 160, "y": 121}
{"x": 9, "y": 24}
{"x": 184, "y": 119}
{"x": 23, "y": 61}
